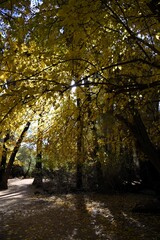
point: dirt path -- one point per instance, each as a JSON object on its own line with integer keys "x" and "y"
{"x": 25, "y": 215}
{"x": 19, "y": 191}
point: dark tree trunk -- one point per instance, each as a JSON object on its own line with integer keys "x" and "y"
{"x": 4, "y": 157}
{"x": 79, "y": 174}
{"x": 94, "y": 154}
{"x": 38, "y": 172}
{"x": 100, "y": 178}
{"x": 38, "y": 178}
{"x": 4, "y": 181}
{"x": 140, "y": 133}
{"x": 99, "y": 172}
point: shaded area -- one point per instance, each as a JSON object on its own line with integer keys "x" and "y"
{"x": 24, "y": 215}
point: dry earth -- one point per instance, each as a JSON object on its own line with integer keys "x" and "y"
{"x": 28, "y": 216}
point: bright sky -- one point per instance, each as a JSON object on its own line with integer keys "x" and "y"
{"x": 34, "y": 3}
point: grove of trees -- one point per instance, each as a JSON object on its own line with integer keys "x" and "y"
{"x": 86, "y": 76}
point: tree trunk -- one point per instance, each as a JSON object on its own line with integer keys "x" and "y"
{"x": 38, "y": 172}
{"x": 140, "y": 133}
{"x": 100, "y": 178}
{"x": 79, "y": 176}
{"x": 94, "y": 154}
{"x": 4, "y": 181}
{"x": 4, "y": 157}
{"x": 99, "y": 172}
{"x": 38, "y": 168}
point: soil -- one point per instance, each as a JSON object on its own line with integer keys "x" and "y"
{"x": 28, "y": 214}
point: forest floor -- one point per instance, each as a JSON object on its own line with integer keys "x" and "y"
{"x": 25, "y": 215}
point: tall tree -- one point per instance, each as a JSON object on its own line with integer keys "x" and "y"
{"x": 80, "y": 147}
{"x": 38, "y": 167}
{"x": 113, "y": 44}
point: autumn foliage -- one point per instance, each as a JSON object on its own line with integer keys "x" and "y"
{"x": 90, "y": 72}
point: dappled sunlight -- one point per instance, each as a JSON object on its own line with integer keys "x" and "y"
{"x": 71, "y": 216}
{"x": 73, "y": 234}
{"x": 11, "y": 195}
{"x": 132, "y": 220}
{"x": 17, "y": 194}
{"x": 101, "y": 218}
{"x": 80, "y": 112}
{"x": 97, "y": 208}
{"x": 16, "y": 189}
{"x": 23, "y": 182}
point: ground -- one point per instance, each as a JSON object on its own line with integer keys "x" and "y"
{"x": 26, "y": 214}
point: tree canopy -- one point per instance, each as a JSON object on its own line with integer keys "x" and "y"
{"x": 90, "y": 71}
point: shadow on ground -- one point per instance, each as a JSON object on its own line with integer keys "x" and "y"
{"x": 27, "y": 216}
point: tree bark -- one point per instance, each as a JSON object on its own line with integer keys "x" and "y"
{"x": 38, "y": 168}
{"x": 38, "y": 171}
{"x": 94, "y": 154}
{"x": 4, "y": 157}
{"x": 4, "y": 181}
{"x": 79, "y": 174}
{"x": 98, "y": 165}
{"x": 140, "y": 133}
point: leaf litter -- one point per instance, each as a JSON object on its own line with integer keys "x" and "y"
{"x": 27, "y": 216}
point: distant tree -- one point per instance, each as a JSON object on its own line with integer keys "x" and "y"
{"x": 26, "y": 155}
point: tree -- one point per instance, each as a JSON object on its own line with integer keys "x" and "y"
{"x": 4, "y": 156}
{"x": 80, "y": 147}
{"x": 38, "y": 167}
{"x": 114, "y": 45}
{"x": 7, "y": 171}
{"x": 26, "y": 156}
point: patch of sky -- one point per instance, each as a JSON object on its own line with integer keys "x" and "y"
{"x": 34, "y": 5}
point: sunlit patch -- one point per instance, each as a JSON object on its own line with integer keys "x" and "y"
{"x": 132, "y": 220}
{"x": 74, "y": 233}
{"x": 66, "y": 201}
{"x": 96, "y": 208}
